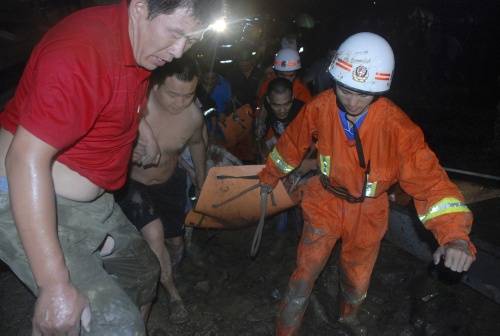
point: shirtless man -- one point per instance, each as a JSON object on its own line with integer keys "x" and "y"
{"x": 154, "y": 197}
{"x": 66, "y": 138}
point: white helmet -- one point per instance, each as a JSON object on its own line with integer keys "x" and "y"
{"x": 287, "y": 60}
{"x": 364, "y": 62}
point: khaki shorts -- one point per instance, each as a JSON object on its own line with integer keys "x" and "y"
{"x": 116, "y": 285}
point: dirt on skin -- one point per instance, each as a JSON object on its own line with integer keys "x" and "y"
{"x": 227, "y": 293}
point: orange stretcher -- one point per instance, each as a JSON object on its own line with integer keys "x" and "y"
{"x": 198, "y": 220}
{"x": 231, "y": 199}
{"x": 232, "y": 195}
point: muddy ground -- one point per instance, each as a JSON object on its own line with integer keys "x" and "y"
{"x": 227, "y": 293}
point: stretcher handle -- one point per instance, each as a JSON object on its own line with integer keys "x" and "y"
{"x": 232, "y": 198}
{"x": 241, "y": 193}
{"x": 257, "y": 237}
{"x": 245, "y": 177}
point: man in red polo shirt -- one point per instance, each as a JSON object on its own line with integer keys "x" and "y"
{"x": 66, "y": 140}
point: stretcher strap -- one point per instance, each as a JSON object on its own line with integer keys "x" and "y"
{"x": 342, "y": 192}
{"x": 263, "y": 208}
{"x": 257, "y": 237}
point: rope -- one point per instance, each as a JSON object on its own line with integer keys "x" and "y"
{"x": 470, "y": 173}
{"x": 257, "y": 237}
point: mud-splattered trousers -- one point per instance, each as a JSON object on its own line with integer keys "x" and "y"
{"x": 395, "y": 151}
{"x": 116, "y": 285}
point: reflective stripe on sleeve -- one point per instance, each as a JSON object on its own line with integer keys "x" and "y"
{"x": 445, "y": 206}
{"x": 279, "y": 162}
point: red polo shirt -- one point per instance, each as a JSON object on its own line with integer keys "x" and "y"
{"x": 80, "y": 93}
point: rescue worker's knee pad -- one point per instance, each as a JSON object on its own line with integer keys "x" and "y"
{"x": 351, "y": 296}
{"x": 294, "y": 303}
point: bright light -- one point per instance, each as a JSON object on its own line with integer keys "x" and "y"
{"x": 254, "y": 53}
{"x": 219, "y": 25}
{"x": 226, "y": 46}
{"x": 207, "y": 112}
{"x": 226, "y": 61}
{"x": 301, "y": 50}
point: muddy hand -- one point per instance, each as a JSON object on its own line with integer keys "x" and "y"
{"x": 60, "y": 310}
{"x": 265, "y": 189}
{"x": 146, "y": 153}
{"x": 457, "y": 256}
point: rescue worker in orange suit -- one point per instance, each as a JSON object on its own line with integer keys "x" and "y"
{"x": 286, "y": 65}
{"x": 365, "y": 144}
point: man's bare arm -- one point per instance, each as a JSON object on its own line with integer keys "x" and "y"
{"x": 28, "y": 163}
{"x": 198, "y": 150}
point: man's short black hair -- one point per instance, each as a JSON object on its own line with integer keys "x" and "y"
{"x": 279, "y": 85}
{"x": 184, "y": 69}
{"x": 205, "y": 11}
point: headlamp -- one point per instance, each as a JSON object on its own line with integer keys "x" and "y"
{"x": 218, "y": 26}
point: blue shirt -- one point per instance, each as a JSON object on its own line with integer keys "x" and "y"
{"x": 348, "y": 129}
{"x": 221, "y": 94}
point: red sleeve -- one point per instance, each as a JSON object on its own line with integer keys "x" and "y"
{"x": 69, "y": 88}
{"x": 301, "y": 92}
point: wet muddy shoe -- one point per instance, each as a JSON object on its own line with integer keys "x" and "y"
{"x": 354, "y": 326}
{"x": 178, "y": 313}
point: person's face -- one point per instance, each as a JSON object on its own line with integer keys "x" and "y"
{"x": 355, "y": 103}
{"x": 280, "y": 103}
{"x": 290, "y": 75}
{"x": 159, "y": 40}
{"x": 176, "y": 95}
{"x": 245, "y": 66}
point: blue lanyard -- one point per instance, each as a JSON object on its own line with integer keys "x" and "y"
{"x": 348, "y": 129}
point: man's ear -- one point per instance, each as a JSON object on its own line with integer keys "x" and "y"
{"x": 155, "y": 87}
{"x": 138, "y": 9}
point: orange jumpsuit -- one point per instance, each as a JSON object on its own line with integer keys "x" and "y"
{"x": 397, "y": 152}
{"x": 300, "y": 90}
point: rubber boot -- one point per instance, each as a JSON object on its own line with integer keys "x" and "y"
{"x": 291, "y": 313}
{"x": 349, "y": 318}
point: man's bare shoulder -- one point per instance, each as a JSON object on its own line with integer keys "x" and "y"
{"x": 195, "y": 114}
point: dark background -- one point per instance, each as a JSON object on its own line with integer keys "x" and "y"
{"x": 447, "y": 75}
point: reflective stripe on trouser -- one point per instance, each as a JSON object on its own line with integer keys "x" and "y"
{"x": 326, "y": 220}
{"x": 115, "y": 285}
